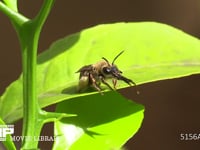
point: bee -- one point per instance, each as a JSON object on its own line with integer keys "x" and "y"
{"x": 95, "y": 74}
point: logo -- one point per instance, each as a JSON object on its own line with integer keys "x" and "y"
{"x": 6, "y": 130}
{"x": 9, "y": 130}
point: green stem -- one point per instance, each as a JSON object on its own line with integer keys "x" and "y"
{"x": 29, "y": 42}
{"x": 32, "y": 122}
{"x": 16, "y": 17}
{"x": 28, "y": 33}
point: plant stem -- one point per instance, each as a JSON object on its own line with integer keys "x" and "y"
{"x": 14, "y": 16}
{"x": 29, "y": 42}
{"x": 29, "y": 34}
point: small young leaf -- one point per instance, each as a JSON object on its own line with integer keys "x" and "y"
{"x": 102, "y": 123}
{"x": 152, "y": 52}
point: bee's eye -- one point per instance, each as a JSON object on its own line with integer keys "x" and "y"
{"x": 106, "y": 70}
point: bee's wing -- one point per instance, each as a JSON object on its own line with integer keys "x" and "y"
{"x": 84, "y": 77}
{"x": 87, "y": 68}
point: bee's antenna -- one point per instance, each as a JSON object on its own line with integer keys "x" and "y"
{"x": 117, "y": 57}
{"x": 106, "y": 60}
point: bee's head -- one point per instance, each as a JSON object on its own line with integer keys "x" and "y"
{"x": 111, "y": 70}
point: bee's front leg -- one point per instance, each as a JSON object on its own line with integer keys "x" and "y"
{"x": 94, "y": 84}
{"x": 114, "y": 81}
{"x": 104, "y": 82}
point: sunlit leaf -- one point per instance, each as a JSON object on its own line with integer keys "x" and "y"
{"x": 152, "y": 52}
{"x": 102, "y": 123}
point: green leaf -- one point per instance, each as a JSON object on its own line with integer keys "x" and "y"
{"x": 102, "y": 123}
{"x": 11, "y": 4}
{"x": 8, "y": 143}
{"x": 153, "y": 52}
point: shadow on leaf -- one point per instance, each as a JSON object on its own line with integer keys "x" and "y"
{"x": 58, "y": 47}
{"x": 96, "y": 109}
